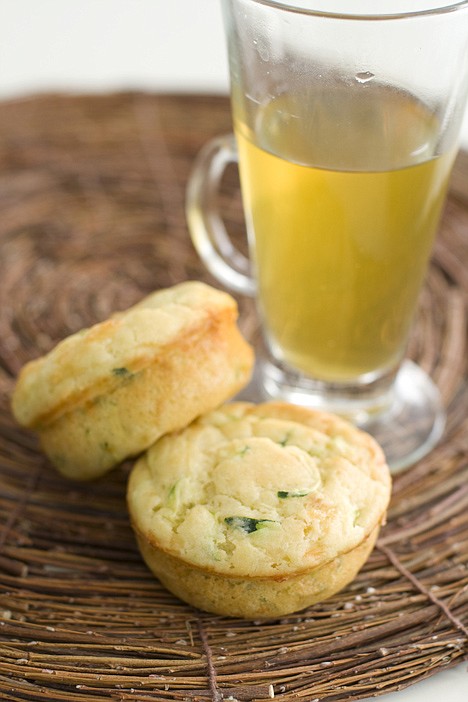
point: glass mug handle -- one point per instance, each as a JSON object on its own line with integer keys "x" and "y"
{"x": 207, "y": 230}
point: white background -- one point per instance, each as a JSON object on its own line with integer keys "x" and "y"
{"x": 162, "y": 45}
{"x": 107, "y": 44}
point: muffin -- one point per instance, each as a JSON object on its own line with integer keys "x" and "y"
{"x": 259, "y": 510}
{"x": 108, "y": 392}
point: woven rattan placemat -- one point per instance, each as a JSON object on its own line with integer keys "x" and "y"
{"x": 92, "y": 219}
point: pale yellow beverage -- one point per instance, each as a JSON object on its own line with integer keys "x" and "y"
{"x": 343, "y": 198}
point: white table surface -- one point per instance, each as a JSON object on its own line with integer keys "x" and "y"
{"x": 159, "y": 45}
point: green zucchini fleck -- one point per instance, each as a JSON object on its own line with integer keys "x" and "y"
{"x": 248, "y": 524}
{"x": 172, "y": 493}
{"x": 283, "y": 494}
{"x": 284, "y": 441}
{"x": 244, "y": 450}
{"x": 121, "y": 371}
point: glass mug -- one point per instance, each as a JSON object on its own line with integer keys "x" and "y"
{"x": 346, "y": 116}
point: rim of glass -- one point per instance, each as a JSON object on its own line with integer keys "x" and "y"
{"x": 297, "y": 9}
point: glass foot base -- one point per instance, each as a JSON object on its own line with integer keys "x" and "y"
{"x": 407, "y": 420}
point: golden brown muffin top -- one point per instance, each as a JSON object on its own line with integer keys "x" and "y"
{"x": 260, "y": 490}
{"x": 94, "y": 360}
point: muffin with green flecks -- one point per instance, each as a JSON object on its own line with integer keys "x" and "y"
{"x": 259, "y": 510}
{"x": 108, "y": 392}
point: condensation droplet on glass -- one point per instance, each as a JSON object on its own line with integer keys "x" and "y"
{"x": 364, "y": 76}
{"x": 262, "y": 50}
